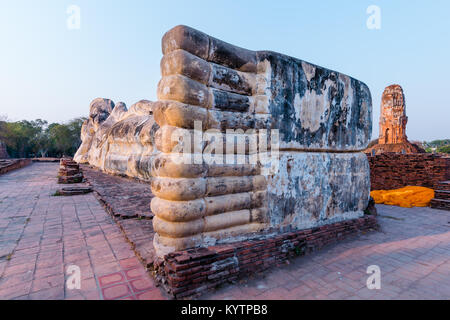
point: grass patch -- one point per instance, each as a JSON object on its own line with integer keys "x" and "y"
{"x": 299, "y": 251}
{"x": 392, "y": 218}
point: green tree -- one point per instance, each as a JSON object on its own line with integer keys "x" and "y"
{"x": 64, "y": 139}
{"x": 38, "y": 139}
{"x": 20, "y": 137}
{"x": 445, "y": 149}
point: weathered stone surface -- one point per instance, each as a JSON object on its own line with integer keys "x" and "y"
{"x": 208, "y": 48}
{"x": 122, "y": 143}
{"x": 313, "y": 189}
{"x": 97, "y": 152}
{"x": 313, "y": 107}
{"x": 317, "y": 119}
{"x": 8, "y": 165}
{"x": 99, "y": 111}
{"x": 73, "y": 191}
{"x": 404, "y": 148}
{"x": 130, "y": 144}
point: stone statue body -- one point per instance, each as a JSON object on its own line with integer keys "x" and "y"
{"x": 309, "y": 121}
{"x": 117, "y": 140}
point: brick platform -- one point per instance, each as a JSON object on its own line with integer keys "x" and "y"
{"x": 8, "y": 165}
{"x": 123, "y": 197}
{"x": 192, "y": 272}
{"x": 69, "y": 172}
{"x": 41, "y": 160}
{"x": 392, "y": 170}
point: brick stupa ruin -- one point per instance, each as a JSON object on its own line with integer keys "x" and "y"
{"x": 3, "y": 151}
{"x": 393, "y": 122}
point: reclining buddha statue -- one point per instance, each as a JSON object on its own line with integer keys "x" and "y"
{"x": 240, "y": 143}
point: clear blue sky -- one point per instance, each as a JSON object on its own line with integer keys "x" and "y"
{"x": 50, "y": 72}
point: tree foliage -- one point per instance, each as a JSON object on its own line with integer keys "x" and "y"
{"x": 438, "y": 146}
{"x": 37, "y": 138}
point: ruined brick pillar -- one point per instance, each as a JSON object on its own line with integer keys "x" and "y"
{"x": 3, "y": 151}
{"x": 310, "y": 122}
{"x": 393, "y": 117}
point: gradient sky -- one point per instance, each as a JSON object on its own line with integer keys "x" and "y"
{"x": 50, "y": 72}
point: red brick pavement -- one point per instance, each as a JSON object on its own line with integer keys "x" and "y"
{"x": 412, "y": 251}
{"x": 41, "y": 235}
{"x": 128, "y": 200}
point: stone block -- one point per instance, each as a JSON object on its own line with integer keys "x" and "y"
{"x": 323, "y": 120}
{"x": 313, "y": 189}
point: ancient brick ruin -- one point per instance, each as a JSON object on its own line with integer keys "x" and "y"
{"x": 393, "y": 118}
{"x": 393, "y": 122}
{"x": 69, "y": 172}
{"x": 390, "y": 171}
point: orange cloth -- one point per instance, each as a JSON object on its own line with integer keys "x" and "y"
{"x": 407, "y": 197}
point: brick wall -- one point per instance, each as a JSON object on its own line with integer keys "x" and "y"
{"x": 13, "y": 164}
{"x": 392, "y": 170}
{"x": 192, "y": 272}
